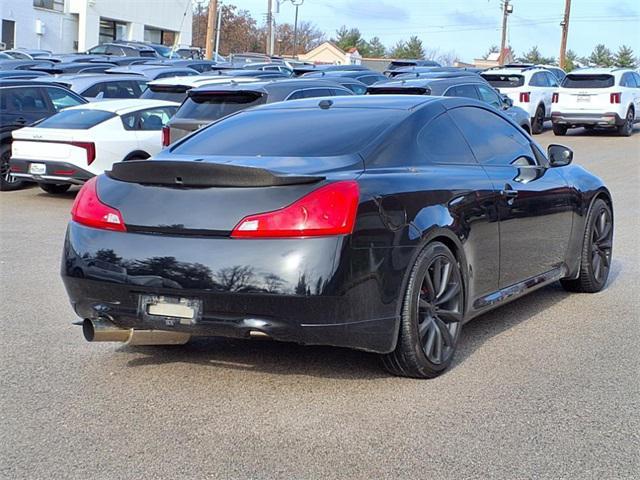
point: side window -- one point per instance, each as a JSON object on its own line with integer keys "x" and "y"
{"x": 151, "y": 119}
{"x": 538, "y": 80}
{"x": 113, "y": 50}
{"x": 131, "y": 121}
{"x": 120, "y": 90}
{"x": 142, "y": 85}
{"x": 317, "y": 92}
{"x": 452, "y": 151}
{"x": 636, "y": 78}
{"x": 339, "y": 92}
{"x": 94, "y": 90}
{"x": 24, "y": 99}
{"x": 61, "y": 99}
{"x": 296, "y": 95}
{"x": 369, "y": 79}
{"x": 494, "y": 140}
{"x": 489, "y": 95}
{"x": 628, "y": 80}
{"x": 466, "y": 91}
{"x": 357, "y": 89}
{"x": 551, "y": 79}
{"x": 100, "y": 49}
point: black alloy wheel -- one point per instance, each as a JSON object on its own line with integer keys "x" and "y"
{"x": 626, "y": 129}
{"x": 597, "y": 248}
{"x": 537, "y": 122}
{"x": 432, "y": 316}
{"x": 7, "y": 181}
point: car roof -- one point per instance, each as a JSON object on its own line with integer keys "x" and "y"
{"x": 395, "y": 102}
{"x": 277, "y": 87}
{"x": 32, "y": 82}
{"x": 88, "y": 79}
{"x": 143, "y": 67}
{"x": 430, "y": 81}
{"x": 195, "y": 80}
{"x": 599, "y": 71}
{"x": 514, "y": 70}
{"x": 123, "y": 106}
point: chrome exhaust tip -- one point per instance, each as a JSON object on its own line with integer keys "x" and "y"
{"x": 103, "y": 330}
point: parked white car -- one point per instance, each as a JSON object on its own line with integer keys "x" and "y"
{"x": 597, "y": 97}
{"x": 530, "y": 88}
{"x": 75, "y": 144}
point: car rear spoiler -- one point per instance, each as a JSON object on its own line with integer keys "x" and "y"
{"x": 202, "y": 174}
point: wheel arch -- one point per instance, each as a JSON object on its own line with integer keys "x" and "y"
{"x": 453, "y": 243}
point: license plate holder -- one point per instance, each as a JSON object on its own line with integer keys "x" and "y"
{"x": 584, "y": 99}
{"x": 170, "y": 310}
{"x": 37, "y": 168}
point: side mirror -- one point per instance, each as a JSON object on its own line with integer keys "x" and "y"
{"x": 559, "y": 155}
{"x": 506, "y": 102}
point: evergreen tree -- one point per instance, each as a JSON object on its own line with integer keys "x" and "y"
{"x": 492, "y": 49}
{"x": 534, "y": 56}
{"x": 601, "y": 56}
{"x": 376, "y": 48}
{"x": 570, "y": 60}
{"x": 625, "y": 58}
{"x": 413, "y": 48}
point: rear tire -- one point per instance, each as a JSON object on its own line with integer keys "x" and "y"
{"x": 7, "y": 182}
{"x": 626, "y": 129}
{"x": 54, "y": 188}
{"x": 431, "y": 316}
{"x": 595, "y": 256}
{"x": 537, "y": 122}
{"x": 560, "y": 130}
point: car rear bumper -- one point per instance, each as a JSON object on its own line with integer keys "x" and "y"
{"x": 604, "y": 119}
{"x": 56, "y": 172}
{"x": 307, "y": 291}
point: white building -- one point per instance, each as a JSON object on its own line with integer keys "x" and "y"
{"x": 77, "y": 25}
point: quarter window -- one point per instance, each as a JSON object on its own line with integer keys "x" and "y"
{"x": 441, "y": 142}
{"x": 466, "y": 91}
{"x": 494, "y": 140}
{"x": 151, "y": 119}
{"x": 489, "y": 95}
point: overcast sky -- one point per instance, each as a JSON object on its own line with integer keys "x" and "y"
{"x": 469, "y": 27}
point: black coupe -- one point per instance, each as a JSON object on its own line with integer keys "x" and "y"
{"x": 380, "y": 223}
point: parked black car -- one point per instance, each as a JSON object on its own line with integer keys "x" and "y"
{"x": 368, "y": 77}
{"x": 206, "y": 104}
{"x": 381, "y": 223}
{"x": 23, "y": 102}
{"x": 153, "y": 72}
{"x": 473, "y": 86}
{"x": 201, "y": 66}
{"x": 74, "y": 67}
{"x": 395, "y": 64}
{"x": 299, "y": 70}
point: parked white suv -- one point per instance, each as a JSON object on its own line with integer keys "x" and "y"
{"x": 530, "y": 88}
{"x": 597, "y": 97}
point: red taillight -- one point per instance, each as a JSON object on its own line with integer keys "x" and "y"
{"x": 329, "y": 210}
{"x": 166, "y": 136}
{"x": 554, "y": 97}
{"x": 90, "y": 147}
{"x": 525, "y": 97}
{"x": 614, "y": 98}
{"x": 90, "y": 211}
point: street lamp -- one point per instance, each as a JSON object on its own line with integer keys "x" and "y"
{"x": 295, "y": 3}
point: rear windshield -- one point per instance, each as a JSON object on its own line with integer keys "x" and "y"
{"x": 285, "y": 133}
{"x": 504, "y": 81}
{"x": 588, "y": 81}
{"x": 212, "y": 106}
{"x": 395, "y": 65}
{"x": 76, "y": 119}
{"x": 174, "y": 94}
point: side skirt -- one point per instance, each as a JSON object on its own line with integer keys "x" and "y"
{"x": 507, "y": 294}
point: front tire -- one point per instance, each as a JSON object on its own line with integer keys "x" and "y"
{"x": 560, "y": 130}
{"x": 54, "y": 188}
{"x": 537, "y": 122}
{"x": 431, "y": 316}
{"x": 595, "y": 257}
{"x": 7, "y": 182}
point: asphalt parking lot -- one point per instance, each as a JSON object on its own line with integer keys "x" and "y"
{"x": 546, "y": 387}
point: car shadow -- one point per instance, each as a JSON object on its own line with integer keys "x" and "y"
{"x": 598, "y": 132}
{"x": 280, "y": 358}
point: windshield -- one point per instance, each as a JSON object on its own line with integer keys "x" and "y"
{"x": 588, "y": 81}
{"x": 76, "y": 119}
{"x": 504, "y": 81}
{"x": 285, "y": 133}
{"x": 215, "y": 105}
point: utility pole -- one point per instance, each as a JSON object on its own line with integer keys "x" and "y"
{"x": 218, "y": 28}
{"x": 507, "y": 8}
{"x": 565, "y": 33}
{"x": 269, "y": 50}
{"x": 211, "y": 24}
